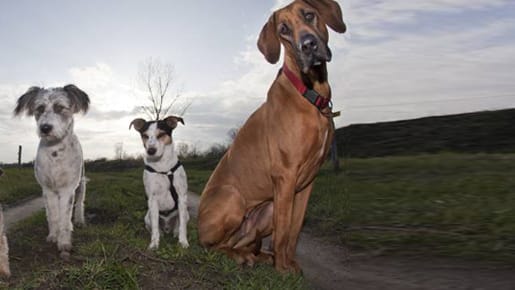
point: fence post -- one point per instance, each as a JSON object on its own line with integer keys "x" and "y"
{"x": 19, "y": 155}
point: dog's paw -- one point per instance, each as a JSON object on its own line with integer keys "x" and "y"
{"x": 64, "y": 247}
{"x": 65, "y": 256}
{"x": 184, "y": 243}
{"x": 80, "y": 222}
{"x": 291, "y": 267}
{"x": 51, "y": 238}
{"x": 265, "y": 257}
{"x": 153, "y": 246}
{"x": 5, "y": 271}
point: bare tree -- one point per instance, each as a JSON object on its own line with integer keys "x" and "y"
{"x": 156, "y": 78}
{"x": 118, "y": 151}
{"x": 183, "y": 150}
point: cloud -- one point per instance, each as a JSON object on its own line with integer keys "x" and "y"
{"x": 99, "y": 75}
{"x": 384, "y": 73}
{"x": 107, "y": 89}
{"x": 399, "y": 59}
{"x": 405, "y": 59}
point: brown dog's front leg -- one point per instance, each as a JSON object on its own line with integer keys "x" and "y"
{"x": 300, "y": 204}
{"x": 283, "y": 209}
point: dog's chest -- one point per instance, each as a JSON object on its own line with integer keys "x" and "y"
{"x": 157, "y": 186}
{"x": 58, "y": 167}
{"x": 314, "y": 158}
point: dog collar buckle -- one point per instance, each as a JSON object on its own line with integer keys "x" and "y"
{"x": 312, "y": 96}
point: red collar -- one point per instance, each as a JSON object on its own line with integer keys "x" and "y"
{"x": 312, "y": 96}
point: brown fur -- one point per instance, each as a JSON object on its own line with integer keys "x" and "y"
{"x": 262, "y": 184}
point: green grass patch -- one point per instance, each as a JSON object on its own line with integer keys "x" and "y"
{"x": 446, "y": 204}
{"x": 18, "y": 184}
{"x": 458, "y": 205}
{"x": 111, "y": 251}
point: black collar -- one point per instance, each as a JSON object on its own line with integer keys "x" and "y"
{"x": 169, "y": 172}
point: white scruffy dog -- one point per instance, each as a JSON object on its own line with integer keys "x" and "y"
{"x": 167, "y": 200}
{"x": 59, "y": 166}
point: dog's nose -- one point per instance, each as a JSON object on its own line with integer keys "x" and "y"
{"x": 45, "y": 128}
{"x": 308, "y": 43}
{"x": 151, "y": 151}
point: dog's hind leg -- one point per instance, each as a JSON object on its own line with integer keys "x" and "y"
{"x": 184, "y": 217}
{"x": 221, "y": 213}
{"x": 256, "y": 226}
{"x": 64, "y": 239}
{"x": 80, "y": 195}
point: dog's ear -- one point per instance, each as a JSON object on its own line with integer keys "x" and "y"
{"x": 79, "y": 99}
{"x": 268, "y": 42}
{"x": 26, "y": 101}
{"x": 138, "y": 124}
{"x": 172, "y": 121}
{"x": 331, "y": 13}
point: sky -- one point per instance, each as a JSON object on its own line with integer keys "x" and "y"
{"x": 399, "y": 59}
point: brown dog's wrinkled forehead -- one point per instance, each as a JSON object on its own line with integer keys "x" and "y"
{"x": 299, "y": 15}
{"x": 328, "y": 10}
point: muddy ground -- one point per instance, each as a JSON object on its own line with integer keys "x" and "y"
{"x": 328, "y": 266}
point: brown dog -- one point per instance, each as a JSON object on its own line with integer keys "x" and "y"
{"x": 262, "y": 184}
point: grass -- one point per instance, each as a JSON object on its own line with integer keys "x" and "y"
{"x": 110, "y": 253}
{"x": 459, "y": 205}
{"x": 18, "y": 184}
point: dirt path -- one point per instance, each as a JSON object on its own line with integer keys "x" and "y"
{"x": 22, "y": 211}
{"x": 331, "y": 267}
{"x": 327, "y": 266}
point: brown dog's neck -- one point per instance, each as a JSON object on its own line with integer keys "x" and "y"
{"x": 315, "y": 79}
{"x": 317, "y": 74}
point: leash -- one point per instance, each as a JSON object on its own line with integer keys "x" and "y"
{"x": 319, "y": 101}
{"x": 169, "y": 173}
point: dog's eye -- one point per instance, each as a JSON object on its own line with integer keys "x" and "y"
{"x": 40, "y": 109}
{"x": 284, "y": 29}
{"x": 309, "y": 16}
{"x": 161, "y": 135}
{"x": 144, "y": 136}
{"x": 58, "y": 108}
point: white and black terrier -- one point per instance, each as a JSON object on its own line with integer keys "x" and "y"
{"x": 165, "y": 180}
{"x": 59, "y": 165}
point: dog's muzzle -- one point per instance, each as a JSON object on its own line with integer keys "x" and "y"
{"x": 45, "y": 128}
{"x": 151, "y": 151}
{"x": 313, "y": 52}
